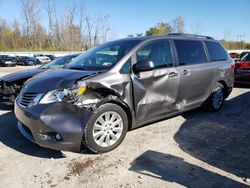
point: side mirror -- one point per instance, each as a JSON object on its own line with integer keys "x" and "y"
{"x": 143, "y": 65}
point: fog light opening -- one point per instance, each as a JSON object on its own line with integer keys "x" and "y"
{"x": 58, "y": 137}
{"x": 50, "y": 136}
{"x": 43, "y": 137}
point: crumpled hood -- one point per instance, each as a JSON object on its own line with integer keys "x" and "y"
{"x": 21, "y": 75}
{"x": 55, "y": 79}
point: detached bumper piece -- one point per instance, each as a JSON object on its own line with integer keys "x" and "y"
{"x": 58, "y": 126}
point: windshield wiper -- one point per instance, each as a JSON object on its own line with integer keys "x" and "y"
{"x": 77, "y": 68}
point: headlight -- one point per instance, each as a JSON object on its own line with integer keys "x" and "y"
{"x": 58, "y": 95}
{"x": 52, "y": 96}
{"x": 79, "y": 88}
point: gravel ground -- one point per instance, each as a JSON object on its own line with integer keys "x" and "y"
{"x": 196, "y": 149}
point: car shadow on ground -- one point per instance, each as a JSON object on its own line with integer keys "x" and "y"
{"x": 220, "y": 139}
{"x": 174, "y": 169}
{"x": 11, "y": 137}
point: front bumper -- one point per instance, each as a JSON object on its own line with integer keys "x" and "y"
{"x": 41, "y": 122}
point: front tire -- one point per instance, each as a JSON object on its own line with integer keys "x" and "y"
{"x": 216, "y": 99}
{"x": 106, "y": 128}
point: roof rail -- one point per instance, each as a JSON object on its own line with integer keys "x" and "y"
{"x": 190, "y": 35}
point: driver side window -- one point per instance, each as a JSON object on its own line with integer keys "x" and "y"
{"x": 159, "y": 52}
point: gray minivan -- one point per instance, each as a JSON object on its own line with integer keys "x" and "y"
{"x": 121, "y": 85}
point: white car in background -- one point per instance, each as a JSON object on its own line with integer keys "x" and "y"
{"x": 42, "y": 58}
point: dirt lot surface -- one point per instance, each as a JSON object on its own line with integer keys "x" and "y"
{"x": 197, "y": 149}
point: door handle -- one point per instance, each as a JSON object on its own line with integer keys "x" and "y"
{"x": 186, "y": 72}
{"x": 172, "y": 74}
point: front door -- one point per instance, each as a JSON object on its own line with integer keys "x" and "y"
{"x": 155, "y": 91}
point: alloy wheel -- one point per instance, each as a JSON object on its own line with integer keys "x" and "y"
{"x": 107, "y": 129}
{"x": 218, "y": 97}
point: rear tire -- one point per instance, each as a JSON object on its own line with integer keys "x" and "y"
{"x": 106, "y": 128}
{"x": 216, "y": 99}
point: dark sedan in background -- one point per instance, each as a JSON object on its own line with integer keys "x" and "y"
{"x": 242, "y": 69}
{"x": 26, "y": 61}
{"x": 7, "y": 61}
{"x": 11, "y": 84}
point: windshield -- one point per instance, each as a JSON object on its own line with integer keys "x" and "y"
{"x": 104, "y": 56}
{"x": 59, "y": 62}
{"x": 245, "y": 57}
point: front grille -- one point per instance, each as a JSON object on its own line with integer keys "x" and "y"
{"x": 27, "y": 98}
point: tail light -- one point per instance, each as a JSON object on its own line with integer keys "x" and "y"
{"x": 237, "y": 66}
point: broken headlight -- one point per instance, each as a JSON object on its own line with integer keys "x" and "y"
{"x": 59, "y": 95}
{"x": 52, "y": 96}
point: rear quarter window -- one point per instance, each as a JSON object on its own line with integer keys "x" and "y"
{"x": 190, "y": 52}
{"x": 216, "y": 51}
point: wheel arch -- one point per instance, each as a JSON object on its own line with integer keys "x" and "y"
{"x": 126, "y": 110}
{"x": 109, "y": 96}
{"x": 225, "y": 87}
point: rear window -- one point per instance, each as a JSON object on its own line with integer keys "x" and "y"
{"x": 190, "y": 52}
{"x": 245, "y": 57}
{"x": 216, "y": 51}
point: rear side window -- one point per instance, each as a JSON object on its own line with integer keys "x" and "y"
{"x": 216, "y": 51}
{"x": 190, "y": 52}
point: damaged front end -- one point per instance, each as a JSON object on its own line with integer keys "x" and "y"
{"x": 79, "y": 95}
{"x": 58, "y": 126}
{"x": 56, "y": 119}
{"x": 9, "y": 91}
{"x": 82, "y": 95}
{"x": 60, "y": 116}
